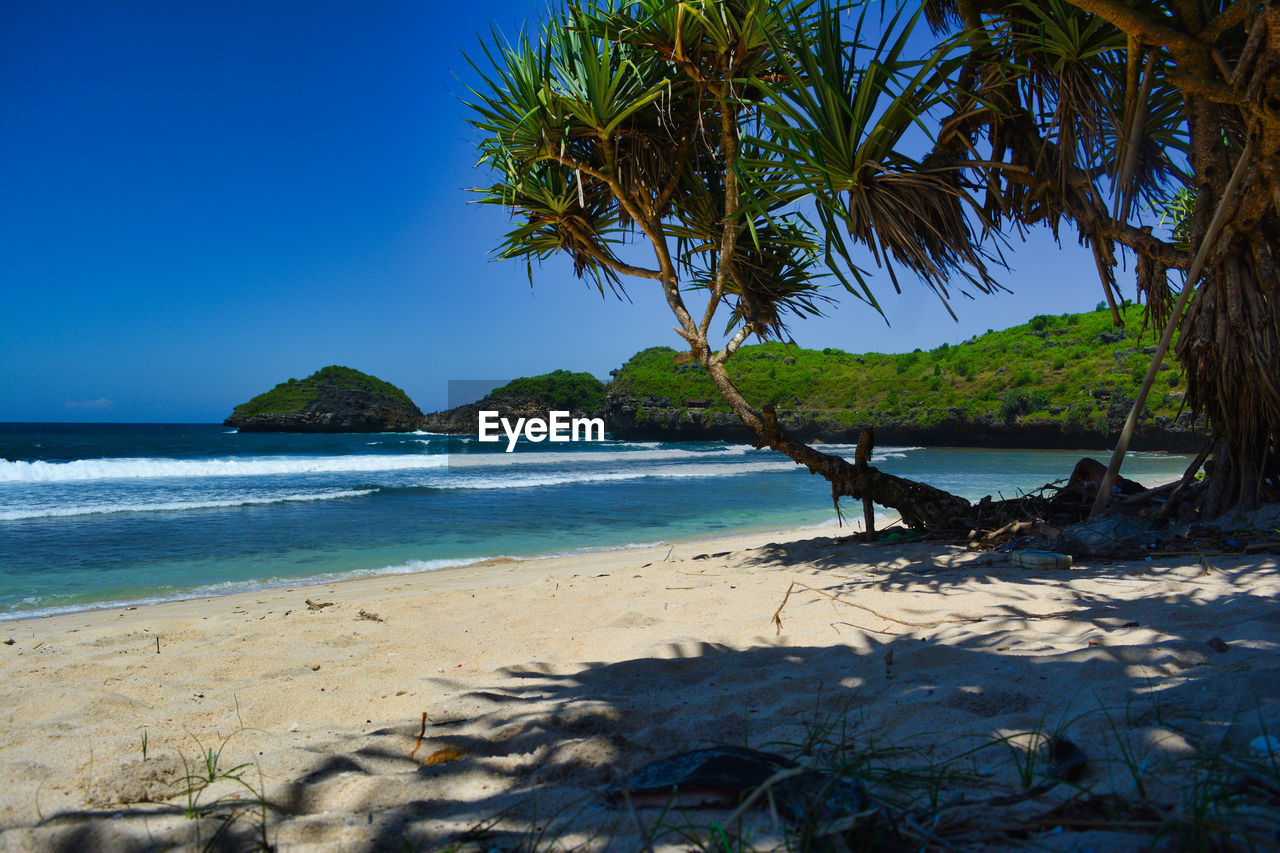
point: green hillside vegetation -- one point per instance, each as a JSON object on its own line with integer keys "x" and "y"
{"x": 295, "y": 395}
{"x": 558, "y": 389}
{"x": 1054, "y": 370}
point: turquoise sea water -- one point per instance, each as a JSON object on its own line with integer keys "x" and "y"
{"x": 109, "y": 513}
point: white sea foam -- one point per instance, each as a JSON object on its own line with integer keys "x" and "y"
{"x": 81, "y": 470}
{"x": 251, "y": 466}
{"x": 233, "y": 587}
{"x": 687, "y": 471}
{"x": 880, "y": 454}
{"x": 495, "y": 460}
{"x": 175, "y": 506}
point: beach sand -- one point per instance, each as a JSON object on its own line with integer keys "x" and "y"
{"x": 922, "y": 666}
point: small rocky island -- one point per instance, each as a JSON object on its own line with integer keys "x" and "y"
{"x": 579, "y": 394}
{"x": 333, "y": 399}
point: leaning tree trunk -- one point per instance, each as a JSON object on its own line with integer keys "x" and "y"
{"x": 921, "y": 506}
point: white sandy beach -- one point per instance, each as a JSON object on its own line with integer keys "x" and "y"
{"x": 545, "y": 680}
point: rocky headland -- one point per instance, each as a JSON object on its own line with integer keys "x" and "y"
{"x": 1065, "y": 381}
{"x": 653, "y": 418}
{"x": 333, "y": 399}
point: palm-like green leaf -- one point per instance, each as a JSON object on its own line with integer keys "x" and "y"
{"x": 838, "y": 125}
{"x": 620, "y": 112}
{"x": 552, "y": 219}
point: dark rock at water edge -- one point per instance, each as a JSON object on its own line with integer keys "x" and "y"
{"x": 652, "y": 418}
{"x": 465, "y": 420}
{"x": 334, "y": 399}
{"x": 580, "y": 394}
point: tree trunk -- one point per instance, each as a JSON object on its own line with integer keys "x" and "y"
{"x": 921, "y": 506}
{"x": 1230, "y": 344}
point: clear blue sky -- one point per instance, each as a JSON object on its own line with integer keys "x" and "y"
{"x": 201, "y": 199}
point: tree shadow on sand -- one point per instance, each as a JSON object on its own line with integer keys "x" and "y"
{"x": 940, "y": 706}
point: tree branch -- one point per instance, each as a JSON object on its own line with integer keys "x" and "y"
{"x": 1146, "y": 29}
{"x": 732, "y": 346}
{"x": 666, "y": 273}
{"x": 1229, "y": 17}
{"x": 565, "y": 160}
{"x": 612, "y": 263}
{"x": 729, "y": 236}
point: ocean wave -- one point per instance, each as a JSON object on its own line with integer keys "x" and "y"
{"x": 459, "y": 461}
{"x": 251, "y": 466}
{"x": 687, "y": 471}
{"x": 175, "y": 506}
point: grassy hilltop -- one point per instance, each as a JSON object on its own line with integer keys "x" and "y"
{"x": 1073, "y": 374}
{"x": 333, "y": 399}
{"x": 296, "y": 395}
{"x": 559, "y": 389}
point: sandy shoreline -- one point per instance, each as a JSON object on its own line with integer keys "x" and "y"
{"x": 544, "y": 679}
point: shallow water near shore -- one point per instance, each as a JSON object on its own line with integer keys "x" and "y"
{"x": 113, "y": 513}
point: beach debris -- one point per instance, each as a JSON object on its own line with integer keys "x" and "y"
{"x": 1068, "y": 764}
{"x": 896, "y": 537}
{"x": 312, "y": 605}
{"x": 445, "y": 755}
{"x": 1015, "y": 534}
{"x": 1106, "y": 536}
{"x": 777, "y": 614}
{"x": 1218, "y": 645}
{"x": 1034, "y": 559}
{"x": 372, "y": 617}
{"x": 421, "y": 732}
{"x": 10, "y": 641}
{"x": 727, "y": 776}
{"x": 1265, "y": 746}
{"x": 1087, "y": 476}
{"x": 1069, "y": 761}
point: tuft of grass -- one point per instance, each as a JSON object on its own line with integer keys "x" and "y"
{"x": 209, "y": 769}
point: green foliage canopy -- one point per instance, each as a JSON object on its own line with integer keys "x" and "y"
{"x": 753, "y": 144}
{"x": 559, "y": 389}
{"x": 1056, "y": 370}
{"x": 295, "y": 395}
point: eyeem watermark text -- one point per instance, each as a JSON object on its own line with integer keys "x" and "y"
{"x": 558, "y": 426}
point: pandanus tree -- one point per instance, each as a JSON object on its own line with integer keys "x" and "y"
{"x": 736, "y": 154}
{"x": 1094, "y": 112}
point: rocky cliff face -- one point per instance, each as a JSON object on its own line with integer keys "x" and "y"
{"x": 331, "y": 400}
{"x": 650, "y": 418}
